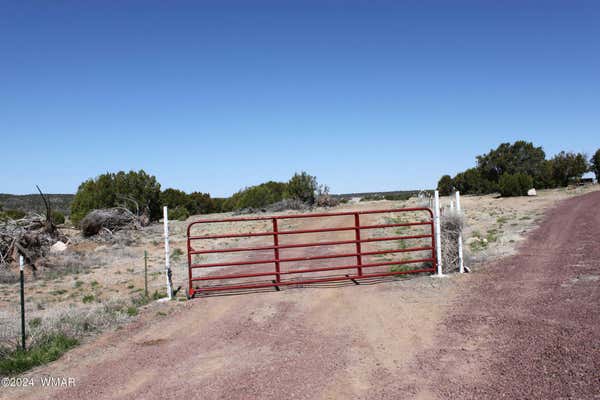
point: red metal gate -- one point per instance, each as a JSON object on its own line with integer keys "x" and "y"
{"x": 256, "y": 269}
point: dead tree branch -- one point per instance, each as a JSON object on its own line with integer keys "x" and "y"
{"x": 49, "y": 225}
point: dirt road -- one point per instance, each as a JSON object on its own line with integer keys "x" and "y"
{"x": 530, "y": 324}
{"x": 526, "y": 327}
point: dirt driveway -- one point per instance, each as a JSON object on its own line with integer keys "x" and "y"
{"x": 526, "y": 327}
{"x": 529, "y": 326}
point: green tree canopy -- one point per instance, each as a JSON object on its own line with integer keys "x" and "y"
{"x": 515, "y": 184}
{"x": 519, "y": 157}
{"x": 567, "y": 166}
{"x": 256, "y": 196}
{"x": 201, "y": 203}
{"x": 445, "y": 185}
{"x": 303, "y": 187}
{"x": 174, "y": 198}
{"x": 595, "y": 164}
{"x": 136, "y": 191}
{"x": 471, "y": 181}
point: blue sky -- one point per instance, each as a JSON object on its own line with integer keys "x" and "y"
{"x": 215, "y": 96}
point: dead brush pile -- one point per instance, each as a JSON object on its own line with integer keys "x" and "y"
{"x": 31, "y": 236}
{"x": 110, "y": 220}
{"x": 452, "y": 224}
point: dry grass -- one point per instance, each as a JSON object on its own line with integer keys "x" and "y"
{"x": 7, "y": 275}
{"x": 50, "y": 333}
{"x": 452, "y": 225}
{"x": 73, "y": 322}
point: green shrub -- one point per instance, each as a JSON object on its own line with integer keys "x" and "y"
{"x": 515, "y": 185}
{"x": 58, "y": 217}
{"x": 173, "y": 198}
{"x": 179, "y": 213}
{"x": 35, "y": 322}
{"x": 176, "y": 254}
{"x": 201, "y": 203}
{"x": 13, "y": 362}
{"x": 218, "y": 204}
{"x": 137, "y": 191}
{"x": 595, "y": 164}
{"x": 445, "y": 185}
{"x": 520, "y": 157}
{"x": 544, "y": 178}
{"x": 399, "y": 196}
{"x": 12, "y": 214}
{"x": 567, "y": 167}
{"x": 258, "y": 196}
{"x": 194, "y": 203}
{"x": 388, "y": 196}
{"x": 303, "y": 187}
{"x": 471, "y": 181}
{"x": 403, "y": 268}
{"x": 132, "y": 311}
{"x": 158, "y": 295}
{"x": 372, "y": 197}
{"x": 140, "y": 300}
{"x": 88, "y": 298}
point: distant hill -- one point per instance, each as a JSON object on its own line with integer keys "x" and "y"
{"x": 34, "y": 202}
{"x": 393, "y": 195}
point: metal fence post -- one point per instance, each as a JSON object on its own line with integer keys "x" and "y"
{"x": 145, "y": 273}
{"x": 21, "y": 270}
{"x": 461, "y": 266}
{"x": 438, "y": 237}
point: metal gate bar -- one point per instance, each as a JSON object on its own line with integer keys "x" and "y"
{"x": 277, "y": 273}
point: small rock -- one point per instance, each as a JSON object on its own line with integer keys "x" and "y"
{"x": 58, "y": 247}
{"x": 531, "y": 192}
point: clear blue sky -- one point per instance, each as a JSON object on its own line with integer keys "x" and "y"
{"x": 215, "y": 96}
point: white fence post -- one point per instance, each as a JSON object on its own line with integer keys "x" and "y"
{"x": 461, "y": 265}
{"x": 167, "y": 253}
{"x": 438, "y": 238}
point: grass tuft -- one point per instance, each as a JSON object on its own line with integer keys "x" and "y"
{"x": 88, "y": 298}
{"x": 44, "y": 351}
{"x": 132, "y": 311}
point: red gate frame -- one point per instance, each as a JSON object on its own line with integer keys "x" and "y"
{"x": 277, "y": 273}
